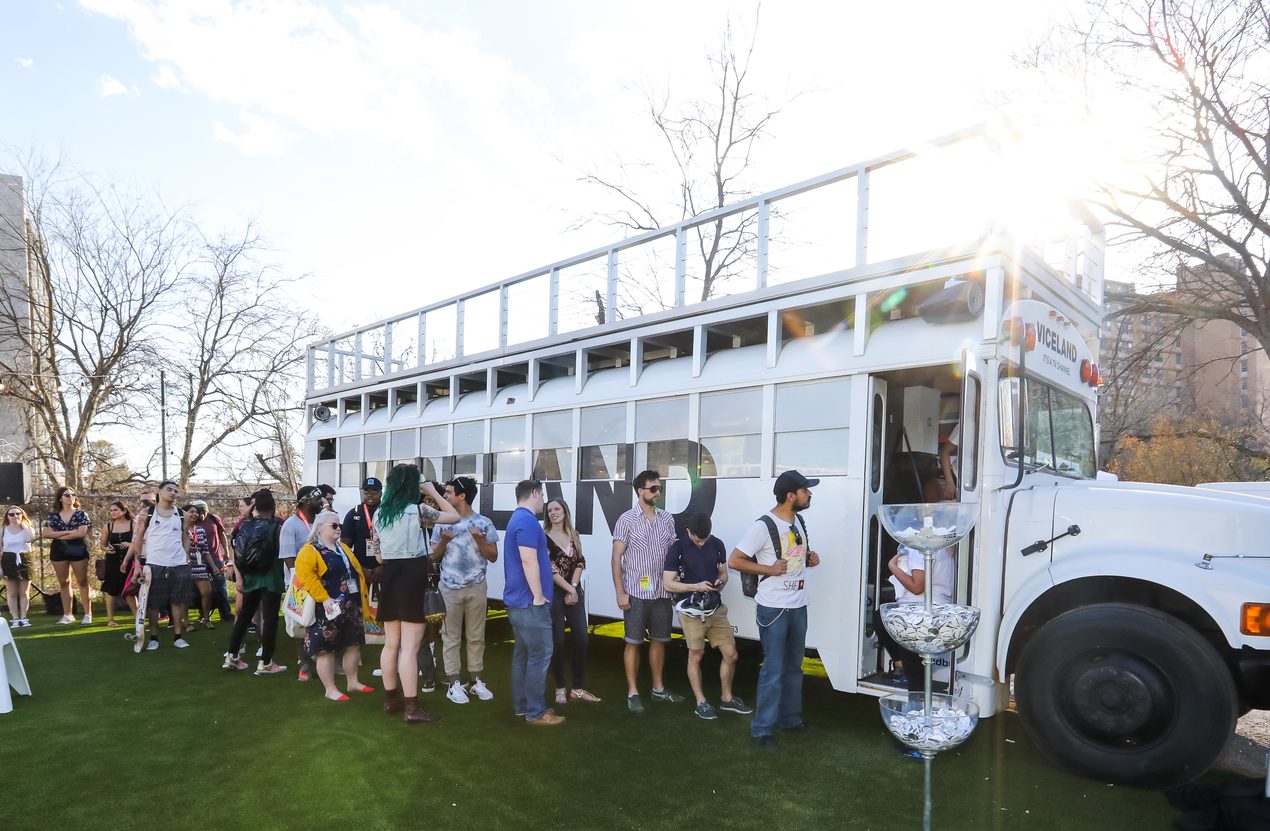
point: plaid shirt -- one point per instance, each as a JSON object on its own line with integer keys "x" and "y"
{"x": 645, "y": 555}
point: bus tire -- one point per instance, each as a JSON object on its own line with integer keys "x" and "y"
{"x": 1126, "y": 694}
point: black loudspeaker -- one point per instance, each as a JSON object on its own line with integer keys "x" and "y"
{"x": 15, "y": 485}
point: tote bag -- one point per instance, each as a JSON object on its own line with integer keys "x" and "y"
{"x": 298, "y": 607}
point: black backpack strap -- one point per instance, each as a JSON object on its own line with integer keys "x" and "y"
{"x": 803, "y": 525}
{"x": 776, "y": 541}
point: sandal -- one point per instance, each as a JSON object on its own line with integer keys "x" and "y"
{"x": 583, "y": 695}
{"x": 362, "y": 689}
{"x": 111, "y": 624}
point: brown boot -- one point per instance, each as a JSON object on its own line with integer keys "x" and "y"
{"x": 416, "y": 714}
{"x": 394, "y": 701}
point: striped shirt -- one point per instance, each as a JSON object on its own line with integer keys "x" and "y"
{"x": 645, "y": 555}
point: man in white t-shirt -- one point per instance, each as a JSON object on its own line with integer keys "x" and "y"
{"x": 782, "y": 603}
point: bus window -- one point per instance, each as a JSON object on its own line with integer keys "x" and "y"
{"x": 811, "y": 427}
{"x": 434, "y": 451}
{"x": 730, "y": 433}
{"x": 469, "y": 450}
{"x": 1060, "y": 432}
{"x": 660, "y": 443}
{"x": 603, "y": 440}
{"x": 553, "y": 451}
{"x": 507, "y": 442}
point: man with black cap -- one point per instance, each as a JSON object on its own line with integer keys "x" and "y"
{"x": 359, "y": 524}
{"x": 294, "y": 536}
{"x": 776, "y": 549}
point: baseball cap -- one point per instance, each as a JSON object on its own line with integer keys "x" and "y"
{"x": 372, "y": 484}
{"x": 790, "y": 481}
{"x": 306, "y": 492}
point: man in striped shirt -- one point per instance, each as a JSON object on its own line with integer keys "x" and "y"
{"x": 640, "y": 541}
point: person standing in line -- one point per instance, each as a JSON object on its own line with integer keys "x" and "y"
{"x": 116, "y": 538}
{"x": 697, "y": 569}
{"x": 201, "y": 567}
{"x": 359, "y": 524}
{"x": 568, "y": 604}
{"x": 68, "y": 527}
{"x": 293, "y": 536}
{"x": 464, "y": 550}
{"x": 245, "y": 506}
{"x": 331, "y": 575}
{"x": 402, "y": 548}
{"x": 328, "y": 497}
{"x": 258, "y": 538}
{"x": 163, "y": 542}
{"x": 777, "y": 549}
{"x": 15, "y": 563}
{"x": 641, "y": 538}
{"x": 527, "y": 595}
{"x": 218, "y": 547}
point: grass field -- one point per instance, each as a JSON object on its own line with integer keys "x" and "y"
{"x": 167, "y": 739}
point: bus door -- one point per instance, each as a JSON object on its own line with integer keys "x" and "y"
{"x": 871, "y": 544}
{"x": 969, "y": 473}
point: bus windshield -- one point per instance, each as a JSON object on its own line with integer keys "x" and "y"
{"x": 1060, "y": 431}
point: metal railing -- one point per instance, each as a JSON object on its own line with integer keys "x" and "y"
{"x": 671, "y": 267}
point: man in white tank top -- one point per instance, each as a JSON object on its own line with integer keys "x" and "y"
{"x": 164, "y": 542}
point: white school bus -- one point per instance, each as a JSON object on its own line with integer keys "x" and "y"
{"x": 1133, "y": 620}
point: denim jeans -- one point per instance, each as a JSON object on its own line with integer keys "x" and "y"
{"x": 530, "y": 659}
{"x": 783, "y": 633}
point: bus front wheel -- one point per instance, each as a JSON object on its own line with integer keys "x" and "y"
{"x": 1125, "y": 694}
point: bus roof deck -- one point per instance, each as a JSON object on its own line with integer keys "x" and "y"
{"x": 840, "y": 248}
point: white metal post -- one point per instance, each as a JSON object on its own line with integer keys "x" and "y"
{"x": 610, "y": 315}
{"x": 862, "y": 218}
{"x": 681, "y": 264}
{"x": 458, "y": 328}
{"x": 763, "y": 217}
{"x": 553, "y": 300}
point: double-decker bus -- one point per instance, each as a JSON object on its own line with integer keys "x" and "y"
{"x": 844, "y": 339}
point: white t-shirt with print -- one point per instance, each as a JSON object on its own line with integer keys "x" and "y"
{"x": 788, "y": 590}
{"x": 945, "y": 577}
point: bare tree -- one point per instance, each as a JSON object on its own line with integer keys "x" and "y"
{"x": 78, "y": 323}
{"x": 707, "y": 146}
{"x": 239, "y": 341}
{"x": 1199, "y": 213}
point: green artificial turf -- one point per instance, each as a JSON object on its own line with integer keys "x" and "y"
{"x": 168, "y": 740}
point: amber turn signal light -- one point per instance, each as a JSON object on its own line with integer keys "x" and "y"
{"x": 1255, "y": 619}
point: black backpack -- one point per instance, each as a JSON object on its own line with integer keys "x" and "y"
{"x": 749, "y": 582}
{"x": 256, "y": 546}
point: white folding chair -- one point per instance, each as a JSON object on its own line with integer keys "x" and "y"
{"x": 12, "y": 674}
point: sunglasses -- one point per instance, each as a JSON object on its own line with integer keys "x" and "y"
{"x": 653, "y": 488}
{"x": 13, "y": 513}
{"x": 334, "y": 525}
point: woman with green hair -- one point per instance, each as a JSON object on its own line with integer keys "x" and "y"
{"x": 401, "y": 544}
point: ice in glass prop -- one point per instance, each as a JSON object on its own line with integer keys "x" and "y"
{"x": 948, "y": 723}
{"x": 929, "y": 628}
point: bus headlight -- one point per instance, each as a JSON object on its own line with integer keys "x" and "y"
{"x": 1255, "y": 619}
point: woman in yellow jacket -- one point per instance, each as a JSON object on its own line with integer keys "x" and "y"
{"x": 331, "y": 575}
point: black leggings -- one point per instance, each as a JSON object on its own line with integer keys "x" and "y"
{"x": 575, "y": 617}
{"x": 268, "y": 603}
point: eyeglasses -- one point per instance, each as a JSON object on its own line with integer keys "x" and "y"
{"x": 335, "y": 525}
{"x": 653, "y": 488}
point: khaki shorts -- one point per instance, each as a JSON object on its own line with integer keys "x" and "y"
{"x": 715, "y": 629}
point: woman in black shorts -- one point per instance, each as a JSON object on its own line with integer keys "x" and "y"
{"x": 68, "y": 528}
{"x": 15, "y": 562}
{"x": 401, "y": 545}
{"x": 116, "y": 537}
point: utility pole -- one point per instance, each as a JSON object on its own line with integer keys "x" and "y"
{"x": 163, "y": 418}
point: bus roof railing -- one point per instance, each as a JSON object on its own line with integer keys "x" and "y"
{"x": 633, "y": 277}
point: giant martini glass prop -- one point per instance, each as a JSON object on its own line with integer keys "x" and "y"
{"x": 924, "y": 721}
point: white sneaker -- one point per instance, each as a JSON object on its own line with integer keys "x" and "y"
{"x": 87, "y": 620}
{"x": 180, "y": 643}
{"x": 378, "y": 673}
{"x": 65, "y": 620}
{"x": 482, "y": 692}
{"x": 152, "y": 646}
{"x": 456, "y": 694}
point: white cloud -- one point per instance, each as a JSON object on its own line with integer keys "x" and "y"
{"x": 109, "y": 86}
{"x": 259, "y": 136}
{"x": 26, "y": 63}
{"x": 166, "y": 78}
{"x": 362, "y": 71}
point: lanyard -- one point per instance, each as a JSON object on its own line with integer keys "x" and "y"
{"x": 307, "y": 526}
{"x": 370, "y": 522}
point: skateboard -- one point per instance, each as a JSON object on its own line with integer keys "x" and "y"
{"x": 139, "y": 632}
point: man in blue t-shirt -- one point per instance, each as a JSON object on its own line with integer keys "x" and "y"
{"x": 527, "y": 596}
{"x": 696, "y": 564}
